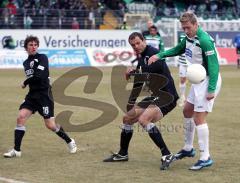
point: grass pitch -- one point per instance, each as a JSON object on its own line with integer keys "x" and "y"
{"x": 45, "y": 157}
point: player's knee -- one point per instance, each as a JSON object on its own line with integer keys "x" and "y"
{"x": 127, "y": 119}
{"x": 187, "y": 113}
{"x": 144, "y": 120}
{"x": 50, "y": 126}
{"x": 21, "y": 119}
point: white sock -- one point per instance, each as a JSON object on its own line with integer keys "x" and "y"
{"x": 203, "y": 141}
{"x": 189, "y": 130}
{"x": 182, "y": 88}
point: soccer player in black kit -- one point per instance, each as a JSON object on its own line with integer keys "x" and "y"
{"x": 39, "y": 98}
{"x": 148, "y": 111}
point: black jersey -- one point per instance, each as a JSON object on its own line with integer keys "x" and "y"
{"x": 37, "y": 73}
{"x": 159, "y": 67}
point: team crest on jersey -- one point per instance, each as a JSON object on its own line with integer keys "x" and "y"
{"x": 31, "y": 64}
{"x": 146, "y": 60}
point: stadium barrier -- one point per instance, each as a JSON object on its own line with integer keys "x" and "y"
{"x": 70, "y": 48}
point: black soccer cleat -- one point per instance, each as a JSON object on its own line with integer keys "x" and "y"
{"x": 183, "y": 154}
{"x": 115, "y": 157}
{"x": 166, "y": 161}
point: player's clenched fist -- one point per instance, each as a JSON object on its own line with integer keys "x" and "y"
{"x": 152, "y": 59}
{"x": 128, "y": 73}
{"x": 23, "y": 85}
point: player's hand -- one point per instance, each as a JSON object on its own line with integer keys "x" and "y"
{"x": 152, "y": 59}
{"x": 210, "y": 96}
{"x": 128, "y": 72}
{"x": 130, "y": 106}
{"x": 23, "y": 85}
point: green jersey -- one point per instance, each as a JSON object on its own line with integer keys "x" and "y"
{"x": 155, "y": 41}
{"x": 200, "y": 49}
{"x": 181, "y": 58}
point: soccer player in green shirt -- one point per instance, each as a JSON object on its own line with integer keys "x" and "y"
{"x": 199, "y": 48}
{"x": 154, "y": 39}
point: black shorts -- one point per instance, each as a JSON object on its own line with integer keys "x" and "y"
{"x": 41, "y": 102}
{"x": 164, "y": 108}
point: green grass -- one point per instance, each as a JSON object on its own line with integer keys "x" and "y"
{"x": 45, "y": 157}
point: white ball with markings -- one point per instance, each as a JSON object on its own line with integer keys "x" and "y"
{"x": 196, "y": 73}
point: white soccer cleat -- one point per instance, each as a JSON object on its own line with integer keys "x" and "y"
{"x": 72, "y": 146}
{"x": 12, "y": 154}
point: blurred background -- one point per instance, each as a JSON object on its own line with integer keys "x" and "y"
{"x": 97, "y": 30}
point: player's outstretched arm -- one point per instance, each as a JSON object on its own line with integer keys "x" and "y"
{"x": 177, "y": 50}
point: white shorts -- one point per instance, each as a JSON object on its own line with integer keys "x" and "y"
{"x": 182, "y": 70}
{"x": 198, "y": 93}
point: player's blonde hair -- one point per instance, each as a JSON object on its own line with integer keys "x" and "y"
{"x": 188, "y": 17}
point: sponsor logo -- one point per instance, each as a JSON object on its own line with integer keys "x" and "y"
{"x": 188, "y": 52}
{"x": 208, "y": 53}
{"x": 29, "y": 72}
{"x": 101, "y": 56}
{"x": 40, "y": 67}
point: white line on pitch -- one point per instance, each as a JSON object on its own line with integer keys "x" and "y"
{"x": 10, "y": 180}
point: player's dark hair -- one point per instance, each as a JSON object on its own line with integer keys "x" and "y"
{"x": 134, "y": 35}
{"x": 153, "y": 27}
{"x": 30, "y": 39}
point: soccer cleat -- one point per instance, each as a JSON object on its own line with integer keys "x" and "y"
{"x": 12, "y": 154}
{"x": 201, "y": 164}
{"x": 115, "y": 157}
{"x": 72, "y": 146}
{"x": 183, "y": 153}
{"x": 166, "y": 161}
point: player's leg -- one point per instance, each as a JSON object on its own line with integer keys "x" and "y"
{"x": 203, "y": 141}
{"x": 50, "y": 124}
{"x": 19, "y": 132}
{"x": 238, "y": 57}
{"x": 182, "y": 84}
{"x": 46, "y": 110}
{"x": 201, "y": 108}
{"x": 238, "y": 62}
{"x": 203, "y": 134}
{"x": 147, "y": 119}
{"x": 129, "y": 119}
{"x": 189, "y": 128}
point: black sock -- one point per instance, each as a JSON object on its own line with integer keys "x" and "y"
{"x": 18, "y": 135}
{"x": 156, "y": 136}
{"x": 61, "y": 133}
{"x": 126, "y": 136}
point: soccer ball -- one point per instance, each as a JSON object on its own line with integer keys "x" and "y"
{"x": 196, "y": 73}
